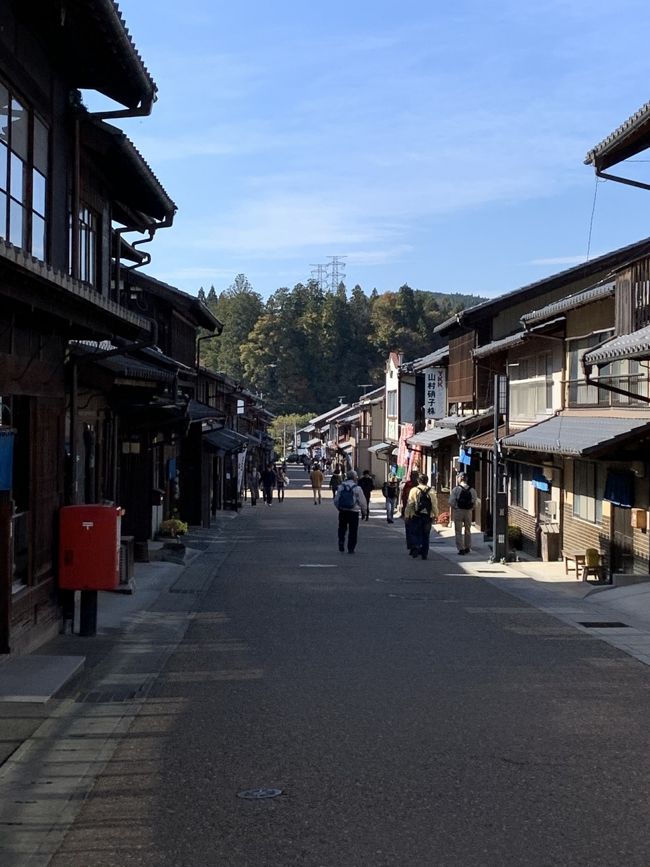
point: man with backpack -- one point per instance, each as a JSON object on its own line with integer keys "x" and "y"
{"x": 351, "y": 504}
{"x": 421, "y": 510}
{"x": 462, "y": 500}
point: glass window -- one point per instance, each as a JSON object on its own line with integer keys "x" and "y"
{"x": 40, "y": 146}
{"x": 3, "y": 167}
{"x": 16, "y": 215}
{"x": 391, "y": 403}
{"x": 588, "y": 490}
{"x": 19, "y": 129}
{"x": 16, "y": 178}
{"x": 4, "y": 114}
{"x": 24, "y": 147}
{"x": 38, "y": 193}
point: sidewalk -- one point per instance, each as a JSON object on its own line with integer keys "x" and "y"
{"x": 618, "y": 615}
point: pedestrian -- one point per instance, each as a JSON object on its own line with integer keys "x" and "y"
{"x": 406, "y": 490}
{"x": 317, "y": 479}
{"x": 281, "y": 481}
{"x": 305, "y": 463}
{"x": 421, "y": 509}
{"x": 336, "y": 479}
{"x": 351, "y": 504}
{"x": 389, "y": 491}
{"x": 254, "y": 485}
{"x": 367, "y": 485}
{"x": 462, "y": 500}
{"x": 268, "y": 479}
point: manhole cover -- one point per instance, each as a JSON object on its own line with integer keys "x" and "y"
{"x": 258, "y": 794}
{"x": 603, "y": 624}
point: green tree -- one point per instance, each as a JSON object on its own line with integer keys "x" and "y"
{"x": 238, "y": 308}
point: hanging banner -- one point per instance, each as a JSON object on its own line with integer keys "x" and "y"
{"x": 435, "y": 392}
{"x": 241, "y": 464}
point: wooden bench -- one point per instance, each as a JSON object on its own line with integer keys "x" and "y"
{"x": 578, "y": 559}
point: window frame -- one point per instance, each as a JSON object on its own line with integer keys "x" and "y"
{"x": 28, "y": 157}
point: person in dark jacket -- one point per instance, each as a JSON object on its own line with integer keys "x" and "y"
{"x": 268, "y": 479}
{"x": 390, "y": 491}
{"x": 367, "y": 486}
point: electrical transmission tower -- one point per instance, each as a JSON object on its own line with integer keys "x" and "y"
{"x": 319, "y": 274}
{"x": 336, "y": 269}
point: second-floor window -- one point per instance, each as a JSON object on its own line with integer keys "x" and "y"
{"x": 579, "y": 393}
{"x": 391, "y": 403}
{"x": 88, "y": 232}
{"x": 531, "y": 386}
{"x": 24, "y": 156}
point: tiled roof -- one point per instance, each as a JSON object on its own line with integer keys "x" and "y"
{"x": 431, "y": 359}
{"x": 577, "y": 434}
{"x": 501, "y": 345}
{"x": 606, "y": 262}
{"x": 634, "y": 345}
{"x": 627, "y": 129}
{"x": 571, "y": 302}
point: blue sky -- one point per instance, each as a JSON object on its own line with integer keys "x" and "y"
{"x": 439, "y": 145}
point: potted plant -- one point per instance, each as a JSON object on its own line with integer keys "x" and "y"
{"x": 173, "y": 527}
{"x": 515, "y": 537}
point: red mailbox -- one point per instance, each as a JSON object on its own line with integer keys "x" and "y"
{"x": 89, "y": 557}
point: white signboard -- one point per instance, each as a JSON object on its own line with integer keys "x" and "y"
{"x": 435, "y": 392}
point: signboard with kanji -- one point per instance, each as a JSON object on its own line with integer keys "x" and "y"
{"x": 435, "y": 392}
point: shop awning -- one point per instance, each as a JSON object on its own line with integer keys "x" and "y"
{"x": 313, "y": 442}
{"x": 430, "y": 438}
{"x": 381, "y": 447}
{"x": 578, "y": 434}
{"x": 225, "y": 440}
{"x": 347, "y": 446}
{"x": 485, "y": 441}
{"x": 200, "y": 412}
{"x": 619, "y": 488}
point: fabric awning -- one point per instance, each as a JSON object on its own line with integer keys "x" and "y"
{"x": 619, "y": 488}
{"x": 577, "y": 434}
{"x": 430, "y": 438}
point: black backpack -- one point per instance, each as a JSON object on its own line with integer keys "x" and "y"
{"x": 464, "y": 498}
{"x": 423, "y": 502}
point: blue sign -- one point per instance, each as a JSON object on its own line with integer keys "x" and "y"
{"x": 6, "y": 459}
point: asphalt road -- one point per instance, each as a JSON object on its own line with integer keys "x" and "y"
{"x": 409, "y": 716}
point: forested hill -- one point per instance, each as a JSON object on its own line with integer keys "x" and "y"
{"x": 306, "y": 348}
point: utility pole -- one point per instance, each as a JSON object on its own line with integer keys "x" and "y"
{"x": 499, "y": 480}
